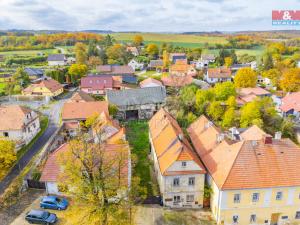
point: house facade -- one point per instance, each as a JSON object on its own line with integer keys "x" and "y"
{"x": 173, "y": 57}
{"x": 254, "y": 177}
{"x": 179, "y": 172}
{"x": 290, "y": 105}
{"x": 57, "y": 60}
{"x": 139, "y": 103}
{"x": 96, "y": 85}
{"x": 156, "y": 65}
{"x": 135, "y": 65}
{"x": 48, "y": 87}
{"x": 19, "y": 124}
{"x": 215, "y": 75}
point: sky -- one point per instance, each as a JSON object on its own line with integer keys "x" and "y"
{"x": 143, "y": 15}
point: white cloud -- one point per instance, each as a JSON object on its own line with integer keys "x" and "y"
{"x": 138, "y": 15}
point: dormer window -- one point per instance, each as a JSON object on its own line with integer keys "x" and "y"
{"x": 183, "y": 164}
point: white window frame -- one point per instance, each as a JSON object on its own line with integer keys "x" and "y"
{"x": 190, "y": 198}
{"x": 193, "y": 181}
{"x": 255, "y": 197}
{"x": 277, "y": 195}
{"x": 176, "y": 182}
{"x": 237, "y": 200}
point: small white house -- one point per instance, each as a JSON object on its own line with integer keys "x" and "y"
{"x": 136, "y": 65}
{"x": 57, "y": 60}
{"x": 18, "y": 123}
{"x": 216, "y": 75}
{"x": 179, "y": 172}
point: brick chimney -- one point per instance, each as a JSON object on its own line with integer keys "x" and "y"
{"x": 268, "y": 139}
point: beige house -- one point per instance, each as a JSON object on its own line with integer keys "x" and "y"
{"x": 179, "y": 171}
{"x": 18, "y": 123}
{"x": 50, "y": 88}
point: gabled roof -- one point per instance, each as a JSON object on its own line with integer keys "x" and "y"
{"x": 12, "y": 117}
{"x": 177, "y": 80}
{"x": 170, "y": 144}
{"x": 291, "y": 101}
{"x": 83, "y": 110}
{"x": 138, "y": 96}
{"x": 56, "y": 57}
{"x": 97, "y": 82}
{"x": 258, "y": 91}
{"x": 50, "y": 84}
{"x": 219, "y": 72}
{"x": 247, "y": 163}
{"x": 34, "y": 72}
{"x": 115, "y": 69}
{"x": 81, "y": 96}
{"x": 150, "y": 81}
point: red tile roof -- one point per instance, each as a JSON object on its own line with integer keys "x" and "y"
{"x": 177, "y": 81}
{"x": 291, "y": 101}
{"x": 169, "y": 142}
{"x": 83, "y": 110}
{"x": 247, "y": 163}
{"x": 13, "y": 117}
{"x": 219, "y": 72}
{"x": 100, "y": 82}
{"x": 150, "y": 81}
{"x": 115, "y": 69}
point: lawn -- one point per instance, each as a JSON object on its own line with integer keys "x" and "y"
{"x": 137, "y": 135}
{"x": 255, "y": 52}
{"x": 183, "y": 40}
{"x": 28, "y": 52}
{"x": 2, "y": 87}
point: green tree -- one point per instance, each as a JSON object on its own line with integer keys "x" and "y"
{"x": 152, "y": 50}
{"x": 245, "y": 77}
{"x": 76, "y": 71}
{"x": 250, "y": 114}
{"x": 188, "y": 97}
{"x": 288, "y": 129}
{"x": 203, "y": 97}
{"x": 229, "y": 118}
{"x": 7, "y": 155}
{"x": 215, "y": 110}
{"x": 224, "y": 90}
{"x": 20, "y": 77}
{"x": 231, "y": 102}
{"x": 81, "y": 53}
{"x": 267, "y": 61}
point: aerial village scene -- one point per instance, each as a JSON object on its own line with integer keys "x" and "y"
{"x": 150, "y": 113}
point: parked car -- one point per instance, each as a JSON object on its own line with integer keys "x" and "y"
{"x": 53, "y": 202}
{"x": 40, "y": 217}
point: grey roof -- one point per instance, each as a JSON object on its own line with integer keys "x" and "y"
{"x": 56, "y": 57}
{"x": 34, "y": 72}
{"x": 154, "y": 63}
{"x": 208, "y": 57}
{"x": 139, "y": 96}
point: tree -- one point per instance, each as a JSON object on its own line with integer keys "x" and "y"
{"x": 152, "y": 50}
{"x": 288, "y": 129}
{"x": 138, "y": 40}
{"x": 215, "y": 110}
{"x": 95, "y": 173}
{"x": 7, "y": 155}
{"x": 203, "y": 97}
{"x": 20, "y": 77}
{"x": 250, "y": 114}
{"x": 231, "y": 102}
{"x": 274, "y": 75}
{"x": 245, "y": 77}
{"x": 267, "y": 61}
{"x": 81, "y": 53}
{"x": 94, "y": 61}
{"x": 228, "y": 62}
{"x": 224, "y": 90}
{"x": 77, "y": 71}
{"x": 290, "y": 80}
{"x": 229, "y": 118}
{"x": 165, "y": 59}
{"x": 187, "y": 97}
{"x": 117, "y": 54}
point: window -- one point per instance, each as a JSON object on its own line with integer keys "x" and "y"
{"x": 253, "y": 218}
{"x": 236, "y": 198}
{"x": 191, "y": 181}
{"x": 5, "y": 134}
{"x": 34, "y": 126}
{"x": 297, "y": 215}
{"x": 255, "y": 197}
{"x": 284, "y": 217}
{"x": 235, "y": 219}
{"x": 190, "y": 198}
{"x": 279, "y": 195}
{"x": 183, "y": 164}
{"x": 176, "y": 198}
{"x": 176, "y": 182}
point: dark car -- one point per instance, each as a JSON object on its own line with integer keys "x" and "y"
{"x": 53, "y": 202}
{"x": 40, "y": 217}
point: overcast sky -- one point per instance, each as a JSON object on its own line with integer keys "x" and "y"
{"x": 142, "y": 15}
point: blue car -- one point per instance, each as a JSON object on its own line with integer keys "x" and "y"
{"x": 53, "y": 202}
{"x": 40, "y": 217}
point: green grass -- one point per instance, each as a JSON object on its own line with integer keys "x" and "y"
{"x": 43, "y": 124}
{"x": 28, "y": 52}
{"x": 182, "y": 40}
{"x": 255, "y": 52}
{"x": 137, "y": 135}
{"x": 2, "y": 87}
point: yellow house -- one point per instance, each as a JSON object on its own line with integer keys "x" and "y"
{"x": 50, "y": 88}
{"x": 255, "y": 178}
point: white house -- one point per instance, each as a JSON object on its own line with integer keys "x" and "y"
{"x": 179, "y": 172}
{"x": 136, "y": 65}
{"x": 18, "y": 123}
{"x": 204, "y": 61}
{"x": 57, "y": 60}
{"x": 215, "y": 75}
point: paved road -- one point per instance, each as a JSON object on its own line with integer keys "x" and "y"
{"x": 54, "y": 114}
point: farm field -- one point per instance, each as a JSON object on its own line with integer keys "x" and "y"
{"x": 67, "y": 49}
{"x": 255, "y": 52}
{"x": 183, "y": 40}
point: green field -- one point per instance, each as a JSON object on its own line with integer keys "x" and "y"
{"x": 255, "y": 52}
{"x": 2, "y": 87}
{"x": 182, "y": 40}
{"x": 28, "y": 52}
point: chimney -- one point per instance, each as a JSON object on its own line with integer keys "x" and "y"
{"x": 278, "y": 135}
{"x": 220, "y": 137}
{"x": 180, "y": 137}
{"x": 208, "y": 124}
{"x": 268, "y": 139}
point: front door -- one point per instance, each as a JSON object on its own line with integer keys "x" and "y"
{"x": 274, "y": 218}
